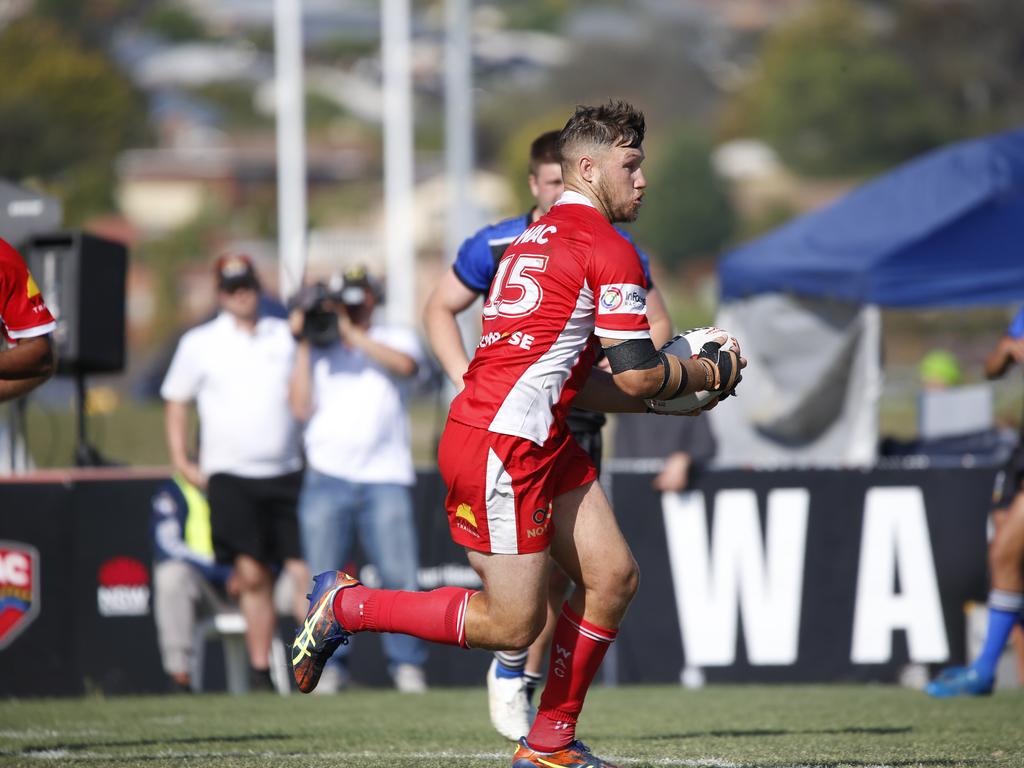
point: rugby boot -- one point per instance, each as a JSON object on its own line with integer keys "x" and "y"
{"x": 321, "y": 632}
{"x": 960, "y": 681}
{"x": 576, "y": 755}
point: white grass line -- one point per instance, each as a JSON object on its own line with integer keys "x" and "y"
{"x": 401, "y": 757}
{"x": 46, "y": 733}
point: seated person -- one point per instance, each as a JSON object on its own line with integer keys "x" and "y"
{"x": 187, "y": 582}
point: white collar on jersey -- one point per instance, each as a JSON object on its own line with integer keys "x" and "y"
{"x": 574, "y": 198}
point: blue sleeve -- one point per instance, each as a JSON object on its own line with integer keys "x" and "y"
{"x": 1016, "y": 329}
{"x": 644, "y": 261}
{"x": 474, "y": 265}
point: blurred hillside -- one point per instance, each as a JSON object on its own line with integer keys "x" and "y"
{"x": 153, "y": 122}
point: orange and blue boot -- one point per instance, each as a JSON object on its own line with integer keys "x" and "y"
{"x": 321, "y": 632}
{"x": 576, "y": 755}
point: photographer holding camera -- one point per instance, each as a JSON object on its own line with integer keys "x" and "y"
{"x": 347, "y": 386}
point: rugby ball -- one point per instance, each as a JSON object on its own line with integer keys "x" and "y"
{"x": 687, "y": 345}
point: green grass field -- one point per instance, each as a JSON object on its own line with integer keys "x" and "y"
{"x": 726, "y": 726}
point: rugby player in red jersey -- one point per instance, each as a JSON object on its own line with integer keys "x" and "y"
{"x": 28, "y": 360}
{"x": 519, "y": 486}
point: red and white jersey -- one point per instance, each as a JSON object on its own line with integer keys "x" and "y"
{"x": 22, "y": 311}
{"x": 567, "y": 278}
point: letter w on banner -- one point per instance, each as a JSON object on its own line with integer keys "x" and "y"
{"x": 738, "y": 569}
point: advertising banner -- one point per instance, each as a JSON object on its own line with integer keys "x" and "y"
{"x": 819, "y": 575}
{"x": 750, "y": 576}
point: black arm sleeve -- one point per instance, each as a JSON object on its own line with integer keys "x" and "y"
{"x": 633, "y": 355}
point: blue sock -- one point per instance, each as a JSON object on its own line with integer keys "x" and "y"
{"x": 510, "y": 663}
{"x": 1003, "y": 610}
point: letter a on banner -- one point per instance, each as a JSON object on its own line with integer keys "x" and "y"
{"x": 738, "y": 570}
{"x": 895, "y": 541}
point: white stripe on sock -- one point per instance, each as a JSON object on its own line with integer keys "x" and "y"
{"x": 1002, "y": 600}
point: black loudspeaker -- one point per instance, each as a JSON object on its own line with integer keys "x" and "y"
{"x": 82, "y": 278}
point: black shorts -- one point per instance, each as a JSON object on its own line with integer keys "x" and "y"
{"x": 1008, "y": 480}
{"x": 255, "y": 516}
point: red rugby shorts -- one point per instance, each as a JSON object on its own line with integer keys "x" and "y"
{"x": 500, "y": 487}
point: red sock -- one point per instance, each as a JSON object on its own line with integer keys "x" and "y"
{"x": 438, "y": 616}
{"x": 576, "y": 652}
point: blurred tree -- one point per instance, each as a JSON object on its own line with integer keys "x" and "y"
{"x": 970, "y": 54}
{"x": 687, "y": 212}
{"x": 168, "y": 255}
{"x": 514, "y": 156}
{"x": 546, "y": 15}
{"x": 93, "y": 21}
{"x": 174, "y": 22}
{"x": 832, "y": 100}
{"x": 65, "y": 114}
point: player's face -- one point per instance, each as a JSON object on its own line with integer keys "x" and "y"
{"x": 546, "y": 186}
{"x": 621, "y": 183}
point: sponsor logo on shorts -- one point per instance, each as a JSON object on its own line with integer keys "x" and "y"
{"x": 123, "y": 588}
{"x": 19, "y": 589}
{"x": 540, "y": 516}
{"x": 622, "y": 299}
{"x": 466, "y": 520}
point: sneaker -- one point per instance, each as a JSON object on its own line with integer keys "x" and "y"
{"x": 960, "y": 681}
{"x": 511, "y": 713}
{"x": 576, "y": 755}
{"x": 410, "y": 679}
{"x": 321, "y": 633}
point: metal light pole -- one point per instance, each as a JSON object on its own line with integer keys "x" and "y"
{"x": 291, "y": 145}
{"x": 398, "y": 163}
{"x": 459, "y": 146}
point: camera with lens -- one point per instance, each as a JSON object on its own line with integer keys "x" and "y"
{"x": 354, "y": 293}
{"x": 319, "y": 303}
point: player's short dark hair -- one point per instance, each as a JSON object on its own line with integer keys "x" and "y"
{"x": 544, "y": 150}
{"x": 615, "y": 124}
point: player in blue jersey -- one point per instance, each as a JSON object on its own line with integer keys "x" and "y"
{"x": 513, "y": 675}
{"x": 1006, "y": 551}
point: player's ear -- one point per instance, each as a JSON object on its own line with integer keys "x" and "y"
{"x": 587, "y": 168}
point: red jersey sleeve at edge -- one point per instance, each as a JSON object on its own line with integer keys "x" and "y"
{"x": 620, "y": 287}
{"x": 21, "y": 305}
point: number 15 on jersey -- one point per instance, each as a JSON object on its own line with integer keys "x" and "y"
{"x": 515, "y": 291}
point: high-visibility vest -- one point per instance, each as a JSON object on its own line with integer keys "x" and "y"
{"x": 198, "y": 535}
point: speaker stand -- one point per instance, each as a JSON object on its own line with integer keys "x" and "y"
{"x": 86, "y": 455}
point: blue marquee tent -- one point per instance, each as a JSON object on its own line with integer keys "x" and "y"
{"x": 945, "y": 229}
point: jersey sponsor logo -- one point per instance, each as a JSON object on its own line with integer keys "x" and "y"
{"x": 19, "y": 589}
{"x": 622, "y": 299}
{"x": 516, "y": 339}
{"x": 123, "y": 588}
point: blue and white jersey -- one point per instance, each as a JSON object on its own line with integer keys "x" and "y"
{"x": 479, "y": 255}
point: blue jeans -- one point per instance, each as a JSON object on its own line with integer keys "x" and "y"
{"x": 332, "y": 510}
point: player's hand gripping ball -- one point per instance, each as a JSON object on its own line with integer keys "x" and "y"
{"x": 722, "y": 364}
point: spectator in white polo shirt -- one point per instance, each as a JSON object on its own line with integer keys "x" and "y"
{"x": 236, "y": 368}
{"x": 349, "y": 386}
